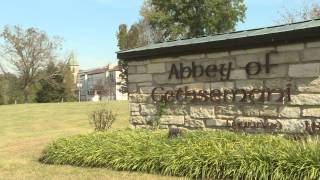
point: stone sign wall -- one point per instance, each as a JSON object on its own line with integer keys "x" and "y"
{"x": 269, "y": 89}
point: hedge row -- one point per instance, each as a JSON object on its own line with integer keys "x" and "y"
{"x": 197, "y": 154}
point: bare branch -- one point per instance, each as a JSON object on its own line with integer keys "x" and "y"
{"x": 307, "y": 11}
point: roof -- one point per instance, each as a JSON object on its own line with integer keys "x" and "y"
{"x": 287, "y": 33}
{"x": 94, "y": 71}
{"x": 115, "y": 68}
{"x": 100, "y": 70}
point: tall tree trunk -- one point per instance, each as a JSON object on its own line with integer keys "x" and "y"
{"x": 25, "y": 95}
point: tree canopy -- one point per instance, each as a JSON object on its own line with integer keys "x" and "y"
{"x": 28, "y": 51}
{"x": 31, "y": 67}
{"x": 178, "y": 19}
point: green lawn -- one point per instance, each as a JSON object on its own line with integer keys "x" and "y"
{"x": 26, "y": 129}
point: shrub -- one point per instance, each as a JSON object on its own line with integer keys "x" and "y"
{"x": 102, "y": 118}
{"x": 197, "y": 154}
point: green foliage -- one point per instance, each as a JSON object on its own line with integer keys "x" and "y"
{"x": 68, "y": 83}
{"x": 178, "y": 19}
{"x": 197, "y": 154}
{"x": 127, "y": 40}
{"x": 56, "y": 84}
{"x": 124, "y": 76}
{"x": 122, "y": 37}
{"x": 155, "y": 122}
{"x": 102, "y": 118}
{"x": 49, "y": 92}
{"x": 10, "y": 89}
{"x": 28, "y": 51}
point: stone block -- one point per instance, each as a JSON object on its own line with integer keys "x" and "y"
{"x": 279, "y": 71}
{"x": 291, "y": 47}
{"x": 164, "y": 79}
{"x": 193, "y": 86}
{"x": 193, "y": 57}
{"x": 285, "y": 57}
{"x": 216, "y": 123}
{"x": 308, "y": 85}
{"x": 225, "y": 117}
{"x": 251, "y": 110}
{"x": 157, "y": 68}
{"x": 312, "y": 54}
{"x": 145, "y": 84}
{"x": 146, "y": 90}
{"x": 291, "y": 125}
{"x": 132, "y": 88}
{"x": 249, "y": 84}
{"x": 222, "y": 85}
{"x": 269, "y": 111}
{"x": 226, "y": 61}
{"x": 305, "y": 99}
{"x": 248, "y": 119}
{"x": 261, "y": 50}
{"x": 313, "y": 44}
{"x": 201, "y": 111}
{"x": 176, "y": 109}
{"x": 132, "y": 69}
{"x": 174, "y": 120}
{"x": 289, "y": 112}
{"x": 238, "y": 52}
{"x": 193, "y": 123}
{"x": 238, "y": 74}
{"x": 148, "y": 109}
{"x": 163, "y": 127}
{"x": 141, "y": 69}
{"x": 304, "y": 70}
{"x": 134, "y": 107}
{"x": 138, "y": 62}
{"x": 278, "y": 83}
{"x": 217, "y": 55}
{"x": 190, "y": 80}
{"x": 243, "y": 60}
{"x": 165, "y": 59}
{"x": 311, "y": 112}
{"x": 228, "y": 110}
{"x": 135, "y": 113}
{"x": 139, "y": 98}
{"x": 139, "y": 78}
{"x": 137, "y": 120}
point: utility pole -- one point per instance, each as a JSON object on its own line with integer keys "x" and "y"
{"x": 79, "y": 86}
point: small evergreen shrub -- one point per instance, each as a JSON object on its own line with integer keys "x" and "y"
{"x": 102, "y": 118}
{"x": 196, "y": 154}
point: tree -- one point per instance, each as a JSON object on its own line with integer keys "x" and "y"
{"x": 127, "y": 40}
{"x": 307, "y": 11}
{"x": 56, "y": 83}
{"x": 9, "y": 89}
{"x": 179, "y": 19}
{"x": 68, "y": 84}
{"x": 122, "y": 37}
{"x": 133, "y": 38}
{"x": 106, "y": 87}
{"x": 50, "y": 89}
{"x": 176, "y": 19}
{"x": 28, "y": 51}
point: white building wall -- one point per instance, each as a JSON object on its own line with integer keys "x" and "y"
{"x": 89, "y": 81}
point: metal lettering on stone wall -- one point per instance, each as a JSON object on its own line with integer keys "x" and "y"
{"x": 225, "y": 95}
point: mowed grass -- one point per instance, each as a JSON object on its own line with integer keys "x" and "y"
{"x": 25, "y": 130}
